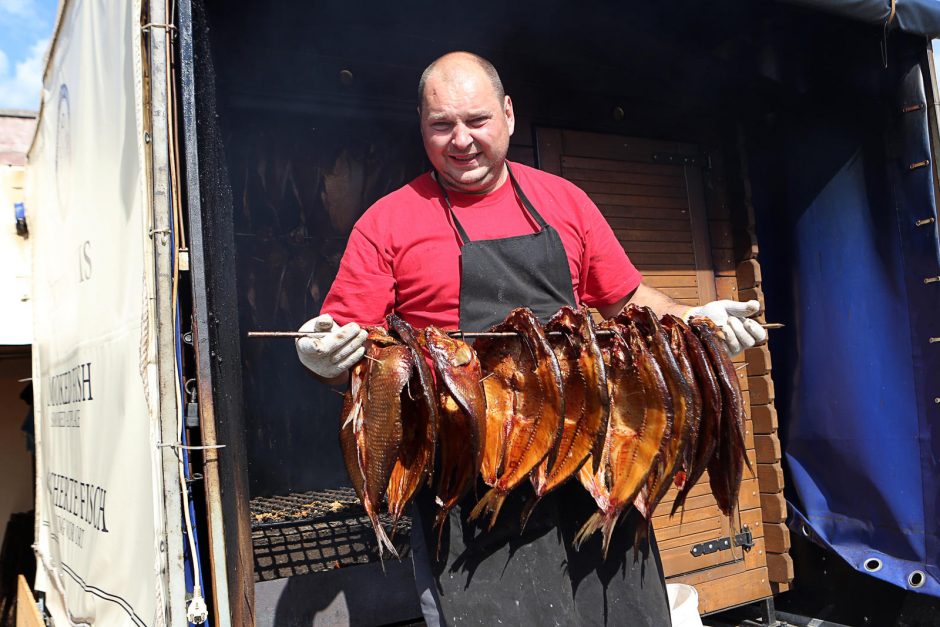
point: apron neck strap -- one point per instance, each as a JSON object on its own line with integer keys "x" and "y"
{"x": 527, "y": 205}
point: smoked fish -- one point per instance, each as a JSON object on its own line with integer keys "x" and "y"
{"x": 640, "y": 409}
{"x": 370, "y": 425}
{"x": 706, "y": 440}
{"x": 726, "y": 468}
{"x": 525, "y": 407}
{"x": 587, "y": 403}
{"x": 461, "y": 404}
{"x": 666, "y": 465}
{"x": 674, "y": 327}
{"x": 415, "y": 462}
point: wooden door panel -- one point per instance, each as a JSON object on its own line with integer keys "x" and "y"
{"x": 657, "y": 212}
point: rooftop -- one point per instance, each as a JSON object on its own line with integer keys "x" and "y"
{"x": 16, "y": 133}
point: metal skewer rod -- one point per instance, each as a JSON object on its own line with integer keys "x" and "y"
{"x": 457, "y": 333}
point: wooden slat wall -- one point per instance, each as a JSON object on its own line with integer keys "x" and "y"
{"x": 678, "y": 232}
{"x": 762, "y": 411}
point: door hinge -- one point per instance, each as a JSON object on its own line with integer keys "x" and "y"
{"x": 745, "y": 540}
{"x": 675, "y": 159}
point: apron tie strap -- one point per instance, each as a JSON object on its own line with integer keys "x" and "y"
{"x": 526, "y": 204}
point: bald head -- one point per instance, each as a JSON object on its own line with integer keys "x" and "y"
{"x": 456, "y": 66}
{"x": 466, "y": 122}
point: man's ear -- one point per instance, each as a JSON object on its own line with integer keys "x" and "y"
{"x": 510, "y": 116}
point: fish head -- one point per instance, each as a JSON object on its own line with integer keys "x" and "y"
{"x": 565, "y": 318}
{"x": 452, "y": 350}
{"x": 703, "y": 322}
{"x": 380, "y": 337}
{"x": 400, "y": 328}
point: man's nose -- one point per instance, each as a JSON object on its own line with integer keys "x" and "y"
{"x": 461, "y": 138}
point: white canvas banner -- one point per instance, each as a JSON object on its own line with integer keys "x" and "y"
{"x": 99, "y": 497}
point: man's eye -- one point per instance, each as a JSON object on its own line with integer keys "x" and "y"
{"x": 478, "y": 122}
{"x": 441, "y": 126}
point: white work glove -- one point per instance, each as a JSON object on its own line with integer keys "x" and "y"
{"x": 333, "y": 353}
{"x": 733, "y": 318}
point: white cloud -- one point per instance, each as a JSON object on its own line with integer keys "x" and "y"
{"x": 20, "y": 86}
{"x": 19, "y": 8}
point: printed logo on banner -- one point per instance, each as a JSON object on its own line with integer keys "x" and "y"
{"x": 63, "y": 151}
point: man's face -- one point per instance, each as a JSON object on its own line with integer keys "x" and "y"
{"x": 466, "y": 130}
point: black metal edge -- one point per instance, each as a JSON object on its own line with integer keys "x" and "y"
{"x": 217, "y": 345}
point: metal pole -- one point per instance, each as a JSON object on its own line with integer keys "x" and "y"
{"x": 454, "y": 333}
{"x": 172, "y": 544}
{"x": 217, "y": 556}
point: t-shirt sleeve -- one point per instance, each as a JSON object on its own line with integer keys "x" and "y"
{"x": 364, "y": 289}
{"x": 608, "y": 274}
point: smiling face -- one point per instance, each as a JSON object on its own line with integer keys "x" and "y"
{"x": 465, "y": 126}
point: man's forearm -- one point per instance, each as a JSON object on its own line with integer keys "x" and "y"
{"x": 645, "y": 296}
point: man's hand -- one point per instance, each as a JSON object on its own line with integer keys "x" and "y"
{"x": 333, "y": 353}
{"x": 733, "y": 318}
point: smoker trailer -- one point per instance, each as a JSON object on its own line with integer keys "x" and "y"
{"x": 203, "y": 163}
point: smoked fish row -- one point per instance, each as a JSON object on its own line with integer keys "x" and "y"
{"x": 627, "y": 412}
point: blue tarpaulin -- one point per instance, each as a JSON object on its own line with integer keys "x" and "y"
{"x": 852, "y": 253}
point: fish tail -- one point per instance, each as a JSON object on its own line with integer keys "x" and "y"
{"x": 642, "y": 534}
{"x": 747, "y": 462}
{"x": 680, "y": 502}
{"x": 734, "y": 532}
{"x": 439, "y": 521}
{"x": 527, "y": 511}
{"x": 610, "y": 521}
{"x": 491, "y": 502}
{"x": 595, "y": 522}
{"x": 395, "y": 514}
{"x": 383, "y": 541}
{"x": 380, "y": 535}
{"x": 599, "y": 520}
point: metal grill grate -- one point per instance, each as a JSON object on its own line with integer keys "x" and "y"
{"x": 321, "y": 505}
{"x": 315, "y": 531}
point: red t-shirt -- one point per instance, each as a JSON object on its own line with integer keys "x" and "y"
{"x": 403, "y": 254}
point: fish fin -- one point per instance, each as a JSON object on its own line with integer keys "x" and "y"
{"x": 680, "y": 479}
{"x": 491, "y": 502}
{"x": 597, "y": 451}
{"x": 354, "y": 417}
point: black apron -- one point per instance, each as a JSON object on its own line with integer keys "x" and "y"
{"x": 535, "y": 577}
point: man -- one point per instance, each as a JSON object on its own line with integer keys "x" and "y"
{"x": 459, "y": 248}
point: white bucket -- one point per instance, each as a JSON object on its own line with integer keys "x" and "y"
{"x": 683, "y": 605}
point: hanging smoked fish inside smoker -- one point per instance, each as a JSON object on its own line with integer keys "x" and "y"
{"x": 462, "y": 418}
{"x": 371, "y": 429}
{"x": 628, "y": 408}
{"x": 523, "y": 385}
{"x": 587, "y": 404}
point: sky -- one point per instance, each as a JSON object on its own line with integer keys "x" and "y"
{"x": 25, "y": 30}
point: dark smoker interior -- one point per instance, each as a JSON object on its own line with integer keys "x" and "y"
{"x": 316, "y": 111}
{"x": 308, "y": 116}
